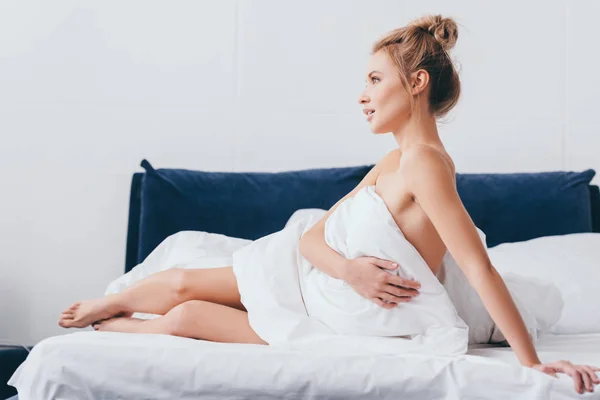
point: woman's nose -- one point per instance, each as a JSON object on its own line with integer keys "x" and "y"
{"x": 362, "y": 98}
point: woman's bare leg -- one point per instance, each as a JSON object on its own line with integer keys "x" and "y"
{"x": 193, "y": 319}
{"x": 157, "y": 294}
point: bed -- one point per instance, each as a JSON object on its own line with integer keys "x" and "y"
{"x": 509, "y": 208}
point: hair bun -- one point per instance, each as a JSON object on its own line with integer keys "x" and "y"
{"x": 444, "y": 30}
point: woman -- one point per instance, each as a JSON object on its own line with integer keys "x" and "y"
{"x": 411, "y": 81}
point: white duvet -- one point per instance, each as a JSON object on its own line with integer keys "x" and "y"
{"x": 294, "y": 305}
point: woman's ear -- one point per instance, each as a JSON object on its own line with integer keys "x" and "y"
{"x": 420, "y": 79}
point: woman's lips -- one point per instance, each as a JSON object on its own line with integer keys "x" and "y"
{"x": 370, "y": 116}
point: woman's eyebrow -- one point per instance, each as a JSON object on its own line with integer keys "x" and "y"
{"x": 373, "y": 72}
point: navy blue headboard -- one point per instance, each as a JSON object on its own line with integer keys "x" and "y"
{"x": 595, "y": 203}
{"x": 134, "y": 250}
{"x": 133, "y": 225}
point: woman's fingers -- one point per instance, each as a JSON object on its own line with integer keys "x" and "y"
{"x": 586, "y": 378}
{"x": 394, "y": 279}
{"x": 386, "y": 264}
{"x": 402, "y": 282}
{"x": 576, "y": 375}
{"x": 380, "y": 303}
{"x": 393, "y": 299}
{"x": 592, "y": 373}
{"x": 570, "y": 370}
{"x": 400, "y": 292}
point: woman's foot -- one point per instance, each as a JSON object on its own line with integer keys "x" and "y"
{"x": 85, "y": 313}
{"x": 119, "y": 324}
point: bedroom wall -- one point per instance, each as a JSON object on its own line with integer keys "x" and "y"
{"x": 88, "y": 89}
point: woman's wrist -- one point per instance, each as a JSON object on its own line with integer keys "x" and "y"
{"x": 314, "y": 248}
{"x": 344, "y": 270}
{"x": 530, "y": 358}
{"x": 531, "y": 363}
{"x": 527, "y": 351}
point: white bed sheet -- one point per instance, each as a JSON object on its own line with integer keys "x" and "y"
{"x": 107, "y": 365}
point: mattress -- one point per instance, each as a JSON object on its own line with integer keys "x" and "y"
{"x": 110, "y": 365}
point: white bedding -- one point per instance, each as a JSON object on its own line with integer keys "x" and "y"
{"x": 108, "y": 365}
{"x": 292, "y": 304}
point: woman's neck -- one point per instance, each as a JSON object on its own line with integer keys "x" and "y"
{"x": 421, "y": 128}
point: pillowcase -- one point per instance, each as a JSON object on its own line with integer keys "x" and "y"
{"x": 469, "y": 306}
{"x": 304, "y": 213}
{"x": 572, "y": 263}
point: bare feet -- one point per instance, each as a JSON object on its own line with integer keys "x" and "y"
{"x": 85, "y": 313}
{"x": 119, "y": 324}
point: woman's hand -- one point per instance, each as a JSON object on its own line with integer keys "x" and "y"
{"x": 365, "y": 276}
{"x": 584, "y": 376}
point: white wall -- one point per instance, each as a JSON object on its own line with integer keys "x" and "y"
{"x": 88, "y": 89}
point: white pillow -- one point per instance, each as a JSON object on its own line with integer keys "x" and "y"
{"x": 305, "y": 212}
{"x": 469, "y": 306}
{"x": 572, "y": 263}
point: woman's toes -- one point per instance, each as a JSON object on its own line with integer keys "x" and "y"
{"x": 63, "y": 322}
{"x": 73, "y": 308}
{"x": 99, "y": 325}
{"x": 66, "y": 319}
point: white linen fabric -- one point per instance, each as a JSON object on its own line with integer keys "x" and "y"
{"x": 303, "y": 213}
{"x": 572, "y": 263}
{"x": 185, "y": 249}
{"x": 108, "y": 365}
{"x": 292, "y": 304}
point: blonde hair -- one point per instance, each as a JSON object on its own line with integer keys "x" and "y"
{"x": 424, "y": 44}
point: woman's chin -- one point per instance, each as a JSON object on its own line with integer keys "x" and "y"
{"x": 376, "y": 130}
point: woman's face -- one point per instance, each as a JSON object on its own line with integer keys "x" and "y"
{"x": 385, "y": 102}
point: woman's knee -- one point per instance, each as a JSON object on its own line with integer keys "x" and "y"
{"x": 182, "y": 316}
{"x": 179, "y": 283}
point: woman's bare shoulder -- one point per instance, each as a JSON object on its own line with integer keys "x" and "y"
{"x": 422, "y": 152}
{"x": 391, "y": 157}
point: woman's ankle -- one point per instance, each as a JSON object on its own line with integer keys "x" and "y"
{"x": 115, "y": 304}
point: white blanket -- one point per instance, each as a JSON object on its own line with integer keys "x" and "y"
{"x": 294, "y": 305}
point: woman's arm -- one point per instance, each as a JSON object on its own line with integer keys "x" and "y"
{"x": 363, "y": 274}
{"x": 430, "y": 180}
{"x": 312, "y": 244}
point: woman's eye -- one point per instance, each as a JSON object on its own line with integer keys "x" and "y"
{"x": 374, "y": 78}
